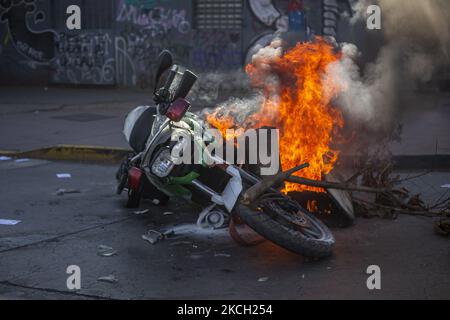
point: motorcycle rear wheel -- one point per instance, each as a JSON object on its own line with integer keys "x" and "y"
{"x": 313, "y": 240}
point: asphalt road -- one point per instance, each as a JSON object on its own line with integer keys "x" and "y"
{"x": 57, "y": 231}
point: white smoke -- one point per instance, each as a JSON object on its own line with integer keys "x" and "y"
{"x": 211, "y": 87}
{"x": 363, "y": 98}
{"x": 265, "y": 85}
{"x": 417, "y": 47}
{"x": 239, "y": 109}
{"x": 263, "y": 76}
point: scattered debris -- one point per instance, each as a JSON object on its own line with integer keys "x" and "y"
{"x": 390, "y": 199}
{"x": 224, "y": 255}
{"x": 156, "y": 202}
{"x": 153, "y": 236}
{"x": 168, "y": 213}
{"x": 193, "y": 232}
{"x": 416, "y": 202}
{"x": 109, "y": 279}
{"x": 63, "y": 175}
{"x": 263, "y": 279}
{"x": 446, "y": 186}
{"x": 3, "y": 158}
{"x": 142, "y": 212}
{"x": 442, "y": 226}
{"x": 62, "y": 192}
{"x": 7, "y": 222}
{"x": 169, "y": 233}
{"x": 106, "y": 251}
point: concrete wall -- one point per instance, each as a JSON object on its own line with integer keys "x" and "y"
{"x": 120, "y": 39}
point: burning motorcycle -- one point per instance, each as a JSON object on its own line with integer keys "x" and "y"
{"x": 225, "y": 190}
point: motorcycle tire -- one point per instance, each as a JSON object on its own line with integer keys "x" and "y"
{"x": 289, "y": 237}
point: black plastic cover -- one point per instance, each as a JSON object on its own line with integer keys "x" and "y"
{"x": 142, "y": 129}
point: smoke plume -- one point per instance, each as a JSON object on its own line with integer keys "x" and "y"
{"x": 417, "y": 46}
{"x": 264, "y": 85}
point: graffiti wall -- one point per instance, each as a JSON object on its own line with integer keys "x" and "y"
{"x": 26, "y": 41}
{"x": 148, "y": 27}
{"x": 216, "y": 50}
{"x": 144, "y": 29}
{"x": 35, "y": 49}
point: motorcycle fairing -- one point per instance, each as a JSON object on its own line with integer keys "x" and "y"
{"x": 138, "y": 125}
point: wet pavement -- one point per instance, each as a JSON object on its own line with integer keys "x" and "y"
{"x": 57, "y": 231}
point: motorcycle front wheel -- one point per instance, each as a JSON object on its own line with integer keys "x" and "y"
{"x": 286, "y": 224}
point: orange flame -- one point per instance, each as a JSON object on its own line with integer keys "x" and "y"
{"x": 301, "y": 109}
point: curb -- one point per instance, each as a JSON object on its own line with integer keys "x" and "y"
{"x": 79, "y": 153}
{"x": 112, "y": 155}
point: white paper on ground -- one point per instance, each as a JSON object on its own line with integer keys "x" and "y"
{"x": 6, "y": 222}
{"x": 2, "y": 158}
{"x": 22, "y": 160}
{"x": 64, "y": 175}
{"x": 446, "y": 186}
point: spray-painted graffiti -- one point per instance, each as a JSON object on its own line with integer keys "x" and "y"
{"x": 37, "y": 46}
{"x": 156, "y": 21}
{"x": 265, "y": 11}
{"x": 136, "y": 53}
{"x": 147, "y": 28}
{"x": 85, "y": 58}
{"x": 215, "y": 50}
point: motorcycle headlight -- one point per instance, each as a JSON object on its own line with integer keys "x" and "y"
{"x": 163, "y": 164}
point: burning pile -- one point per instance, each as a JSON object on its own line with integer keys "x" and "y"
{"x": 296, "y": 91}
{"x": 294, "y": 100}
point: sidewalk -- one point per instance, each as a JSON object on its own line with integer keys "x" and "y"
{"x": 36, "y": 117}
{"x": 25, "y": 99}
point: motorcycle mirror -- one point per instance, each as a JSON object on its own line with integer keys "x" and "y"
{"x": 165, "y": 61}
{"x": 186, "y": 83}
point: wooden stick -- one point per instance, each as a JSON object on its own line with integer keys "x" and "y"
{"x": 332, "y": 185}
{"x": 258, "y": 189}
{"x": 413, "y": 177}
{"x": 399, "y": 210}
